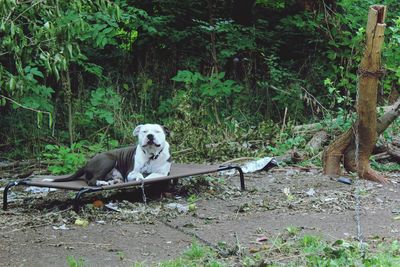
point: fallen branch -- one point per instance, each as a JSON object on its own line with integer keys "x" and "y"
{"x": 316, "y": 142}
{"x": 381, "y": 156}
{"x": 318, "y": 126}
{"x": 395, "y": 153}
{"x": 16, "y": 164}
{"x": 292, "y": 156}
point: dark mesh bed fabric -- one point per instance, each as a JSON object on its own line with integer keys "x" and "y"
{"x": 177, "y": 171}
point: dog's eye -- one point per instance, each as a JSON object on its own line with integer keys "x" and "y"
{"x": 145, "y": 131}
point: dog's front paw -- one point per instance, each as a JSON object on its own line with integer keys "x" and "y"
{"x": 135, "y": 176}
{"x": 102, "y": 183}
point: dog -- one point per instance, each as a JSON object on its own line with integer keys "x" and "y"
{"x": 150, "y": 158}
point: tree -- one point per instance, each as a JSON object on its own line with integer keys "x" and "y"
{"x": 355, "y": 146}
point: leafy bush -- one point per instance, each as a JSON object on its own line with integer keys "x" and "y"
{"x": 104, "y": 104}
{"x": 68, "y": 159}
{"x": 113, "y": 64}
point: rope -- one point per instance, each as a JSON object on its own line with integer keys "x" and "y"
{"x": 204, "y": 241}
{"x": 207, "y": 243}
{"x": 143, "y": 193}
{"x": 360, "y": 236}
{"x": 357, "y": 189}
{"x": 377, "y": 74}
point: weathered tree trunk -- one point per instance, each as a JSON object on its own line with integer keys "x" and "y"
{"x": 365, "y": 126}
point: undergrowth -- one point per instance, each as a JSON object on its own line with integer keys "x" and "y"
{"x": 288, "y": 249}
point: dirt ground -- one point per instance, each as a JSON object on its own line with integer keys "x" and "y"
{"x": 30, "y": 231}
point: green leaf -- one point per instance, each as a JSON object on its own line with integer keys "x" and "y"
{"x": 12, "y": 84}
{"x": 39, "y": 117}
{"x": 50, "y": 120}
{"x": 50, "y": 147}
{"x": 69, "y": 48}
{"x": 109, "y": 118}
{"x": 36, "y": 72}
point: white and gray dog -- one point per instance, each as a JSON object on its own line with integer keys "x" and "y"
{"x": 149, "y": 159}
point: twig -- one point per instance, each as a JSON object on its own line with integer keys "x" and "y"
{"x": 26, "y": 227}
{"x": 31, "y": 6}
{"x": 181, "y": 151}
{"x": 80, "y": 243}
{"x": 318, "y": 155}
{"x": 16, "y": 164}
{"x": 313, "y": 97}
{"x": 25, "y": 107}
{"x": 283, "y": 124}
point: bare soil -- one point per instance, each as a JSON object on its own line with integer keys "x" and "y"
{"x": 273, "y": 201}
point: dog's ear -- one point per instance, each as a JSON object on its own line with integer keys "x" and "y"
{"x": 137, "y": 130}
{"x": 166, "y": 130}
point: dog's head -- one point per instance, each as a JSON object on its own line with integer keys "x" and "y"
{"x": 151, "y": 135}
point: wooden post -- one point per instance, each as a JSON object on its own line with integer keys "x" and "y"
{"x": 344, "y": 146}
{"x": 369, "y": 73}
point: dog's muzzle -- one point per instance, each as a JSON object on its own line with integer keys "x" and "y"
{"x": 150, "y": 141}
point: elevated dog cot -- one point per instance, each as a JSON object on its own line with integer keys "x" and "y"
{"x": 177, "y": 171}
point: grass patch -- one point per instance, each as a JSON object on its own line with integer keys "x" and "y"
{"x": 291, "y": 249}
{"x": 72, "y": 262}
{"x": 386, "y": 167}
{"x": 287, "y": 249}
{"x": 309, "y": 250}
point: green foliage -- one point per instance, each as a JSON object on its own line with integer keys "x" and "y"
{"x": 104, "y": 103}
{"x": 337, "y": 97}
{"x": 311, "y": 250}
{"x": 222, "y": 85}
{"x": 286, "y": 142}
{"x": 293, "y": 230}
{"x": 217, "y": 143}
{"x": 202, "y": 94}
{"x": 297, "y": 250}
{"x": 68, "y": 159}
{"x": 72, "y": 262}
{"x": 233, "y": 38}
{"x": 192, "y": 198}
{"x": 211, "y": 87}
{"x": 392, "y": 55}
{"x": 280, "y": 4}
{"x": 196, "y": 251}
{"x": 386, "y": 167}
{"x": 195, "y": 255}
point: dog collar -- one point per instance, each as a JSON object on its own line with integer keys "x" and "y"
{"x": 154, "y": 157}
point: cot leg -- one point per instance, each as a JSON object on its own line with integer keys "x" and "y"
{"x": 242, "y": 186}
{"x": 241, "y": 175}
{"x": 5, "y": 193}
{"x": 79, "y": 195}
